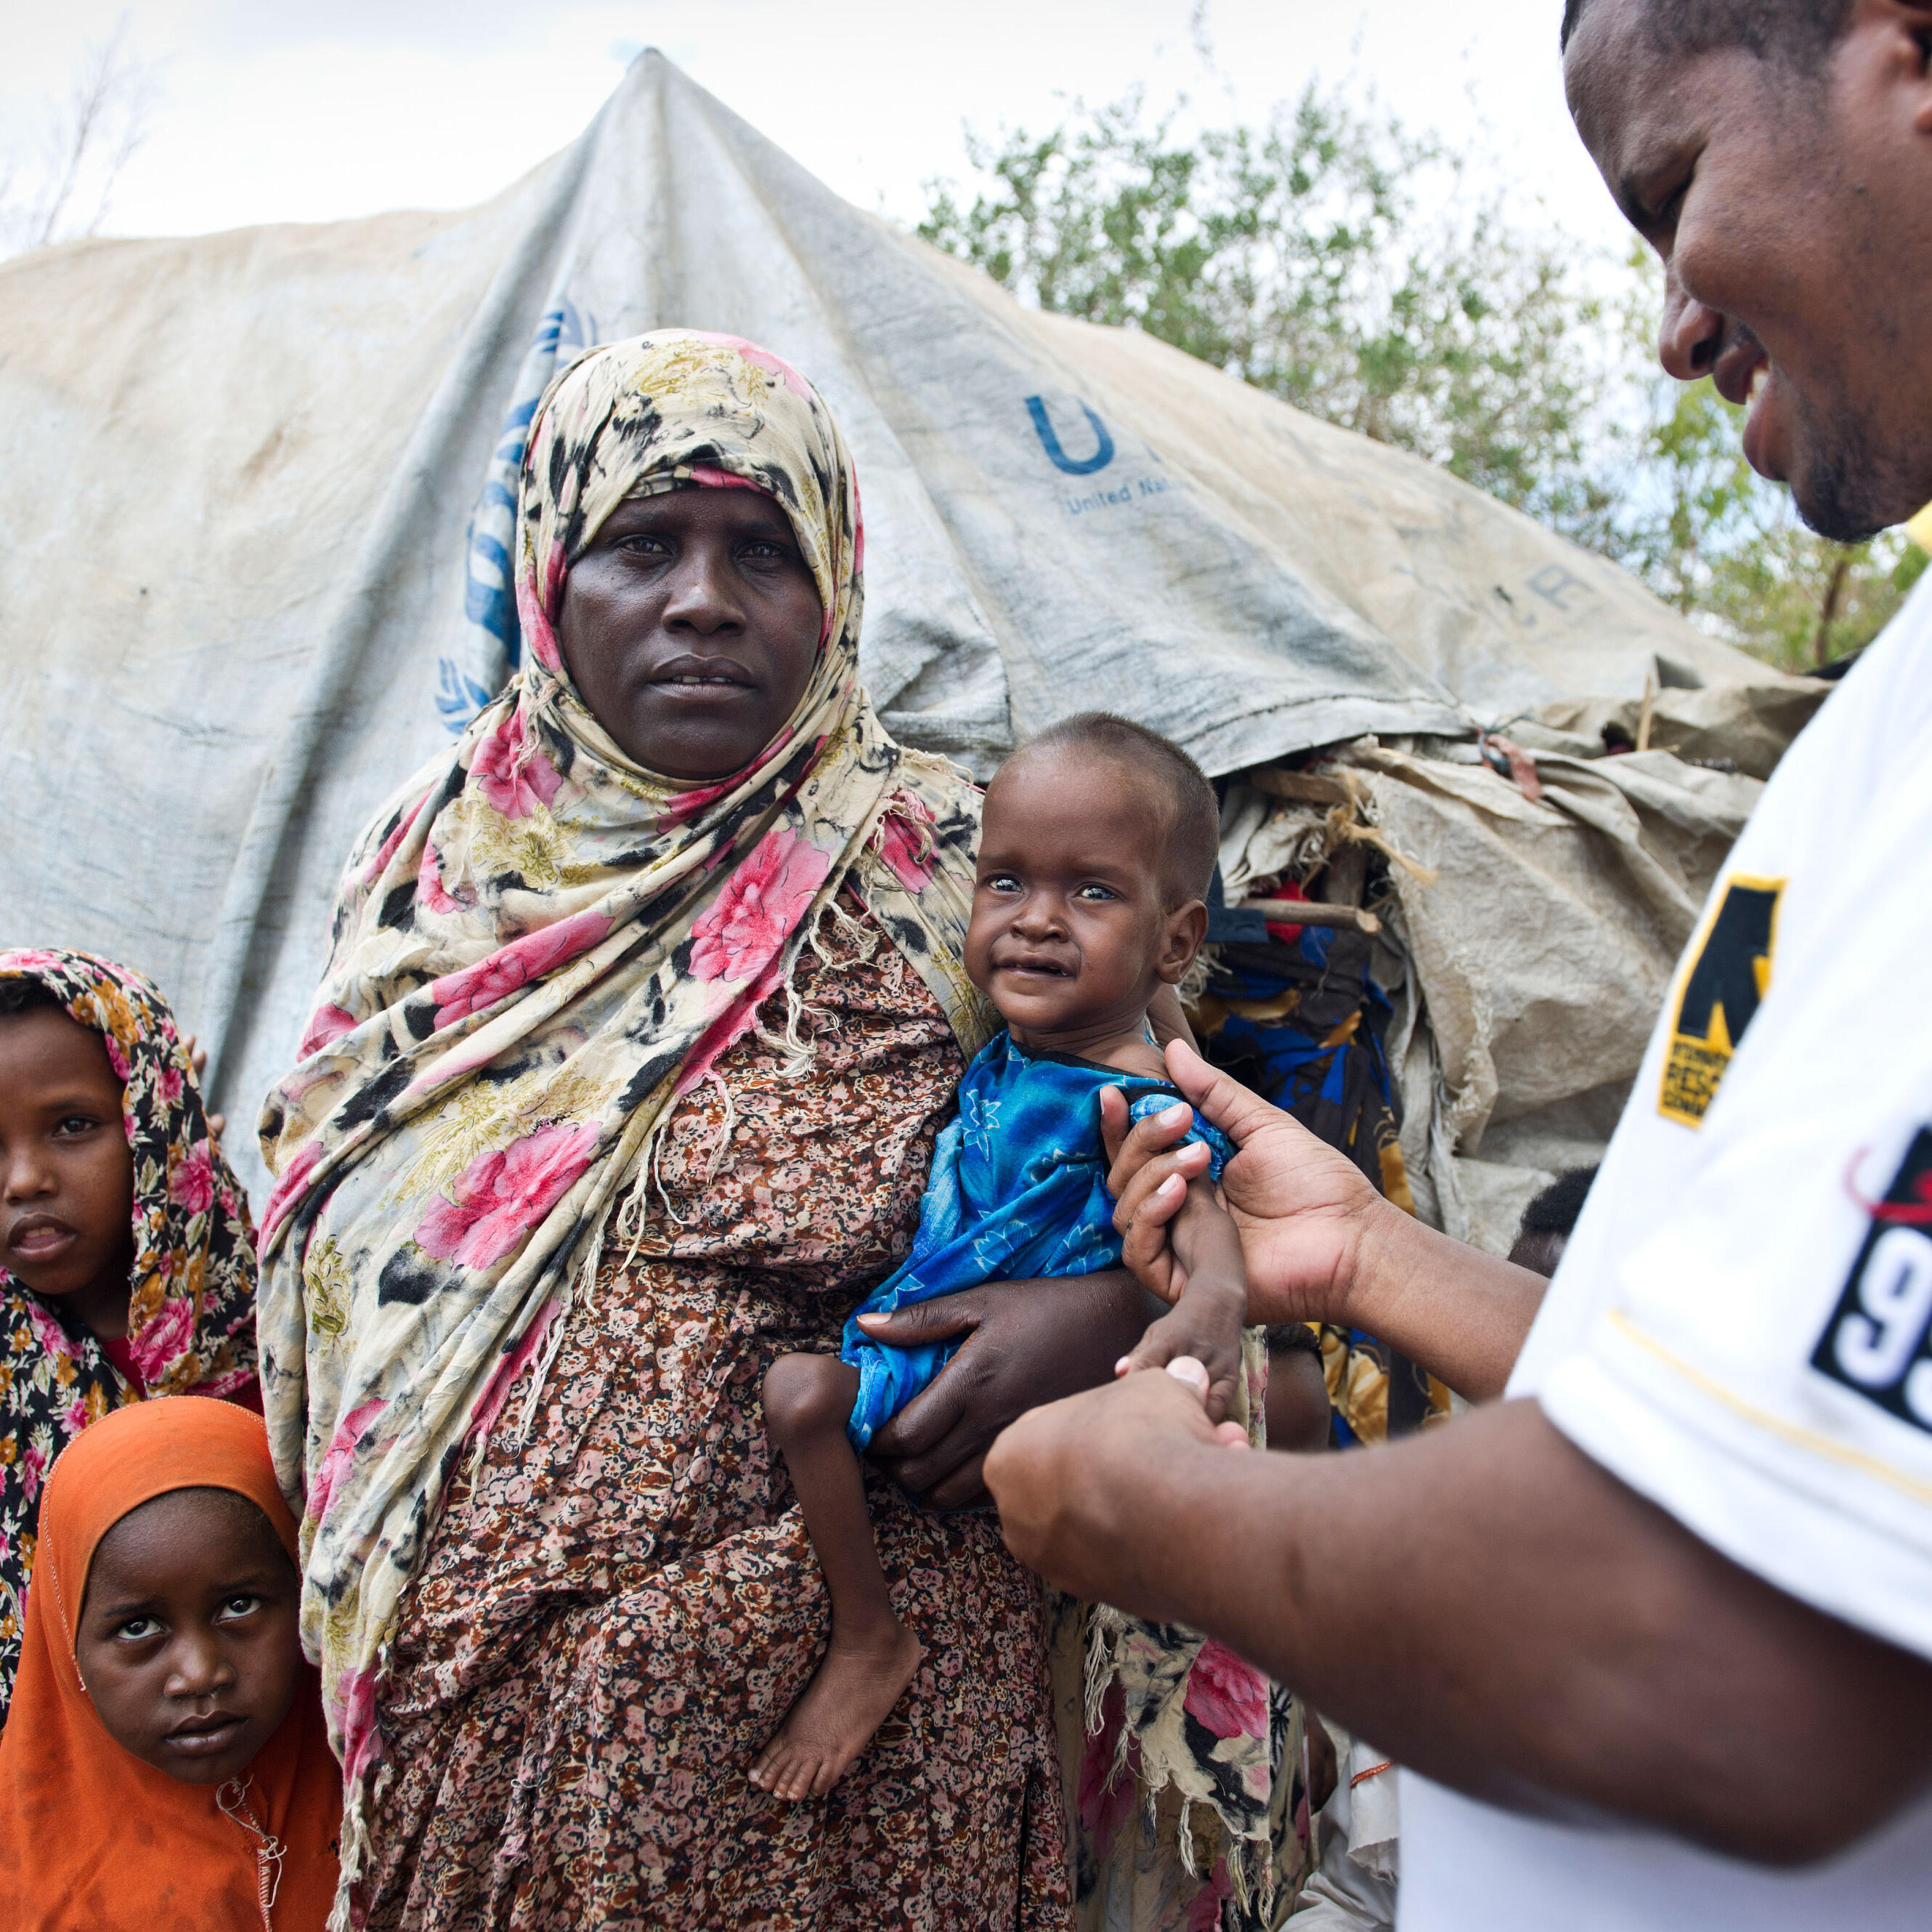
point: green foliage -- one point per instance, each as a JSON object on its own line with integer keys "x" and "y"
{"x": 1358, "y": 271}
{"x": 1300, "y": 257}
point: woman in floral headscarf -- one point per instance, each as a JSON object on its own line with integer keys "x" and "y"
{"x": 127, "y": 1262}
{"x": 644, "y": 1005}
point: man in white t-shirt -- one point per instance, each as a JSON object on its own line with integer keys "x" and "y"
{"x": 1652, "y": 1634}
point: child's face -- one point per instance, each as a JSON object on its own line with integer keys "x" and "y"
{"x": 1070, "y": 930}
{"x": 66, "y": 1175}
{"x": 188, "y": 1642}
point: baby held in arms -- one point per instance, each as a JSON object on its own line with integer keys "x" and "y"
{"x": 1097, "y": 844}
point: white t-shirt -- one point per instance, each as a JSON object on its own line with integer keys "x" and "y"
{"x": 1739, "y": 1328}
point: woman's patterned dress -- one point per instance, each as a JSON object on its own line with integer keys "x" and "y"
{"x": 620, "y": 1605}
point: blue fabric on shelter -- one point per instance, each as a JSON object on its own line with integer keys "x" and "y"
{"x": 1018, "y": 1191}
{"x": 1286, "y": 1051}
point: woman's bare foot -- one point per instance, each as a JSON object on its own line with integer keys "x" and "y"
{"x": 851, "y": 1695}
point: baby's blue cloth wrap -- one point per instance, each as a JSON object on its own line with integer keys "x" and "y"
{"x": 1019, "y": 1190}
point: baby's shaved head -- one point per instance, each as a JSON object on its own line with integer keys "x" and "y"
{"x": 1190, "y": 816}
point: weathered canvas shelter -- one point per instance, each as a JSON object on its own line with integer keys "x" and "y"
{"x": 258, "y": 494}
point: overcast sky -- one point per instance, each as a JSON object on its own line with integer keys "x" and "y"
{"x": 267, "y": 111}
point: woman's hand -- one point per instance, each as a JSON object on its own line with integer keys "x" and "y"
{"x": 1026, "y": 1342}
{"x": 1305, "y": 1212}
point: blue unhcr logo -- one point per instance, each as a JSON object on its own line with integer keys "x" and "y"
{"x": 1049, "y": 440}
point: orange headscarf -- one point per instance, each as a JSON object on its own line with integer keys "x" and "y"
{"x": 91, "y": 1838}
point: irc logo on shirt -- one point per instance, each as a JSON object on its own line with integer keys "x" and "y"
{"x": 1876, "y": 1341}
{"x": 1728, "y": 976}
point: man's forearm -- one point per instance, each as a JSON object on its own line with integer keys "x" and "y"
{"x": 1461, "y": 1313}
{"x": 1573, "y": 1647}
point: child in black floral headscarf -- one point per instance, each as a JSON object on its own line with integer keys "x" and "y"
{"x": 127, "y": 1260}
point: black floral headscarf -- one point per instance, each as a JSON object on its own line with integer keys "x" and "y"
{"x": 191, "y": 1289}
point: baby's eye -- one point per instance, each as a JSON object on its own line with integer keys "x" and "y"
{"x": 236, "y": 1608}
{"x": 1002, "y": 882}
{"x": 1096, "y": 892}
{"x": 138, "y": 1630}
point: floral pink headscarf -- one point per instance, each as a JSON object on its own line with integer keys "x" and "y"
{"x": 191, "y": 1287}
{"x": 537, "y": 946}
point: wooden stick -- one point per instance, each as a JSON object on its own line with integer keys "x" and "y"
{"x": 1309, "y": 912}
{"x": 1345, "y": 874}
{"x": 1305, "y": 788}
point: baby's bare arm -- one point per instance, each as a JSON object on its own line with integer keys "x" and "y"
{"x": 1205, "y": 1320}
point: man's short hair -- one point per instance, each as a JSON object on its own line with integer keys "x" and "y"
{"x": 1798, "y": 34}
{"x": 1191, "y": 831}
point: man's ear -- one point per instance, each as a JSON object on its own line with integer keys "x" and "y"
{"x": 1187, "y": 928}
{"x": 1914, "y": 18}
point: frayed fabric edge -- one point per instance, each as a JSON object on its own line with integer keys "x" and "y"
{"x": 1250, "y": 1856}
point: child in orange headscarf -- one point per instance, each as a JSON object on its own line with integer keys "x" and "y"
{"x": 165, "y": 1767}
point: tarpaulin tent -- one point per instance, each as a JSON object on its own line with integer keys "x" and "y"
{"x": 258, "y": 492}
{"x": 1533, "y": 941}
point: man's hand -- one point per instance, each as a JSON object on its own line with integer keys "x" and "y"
{"x": 1025, "y": 1343}
{"x": 1060, "y": 1473}
{"x": 1319, "y": 1242}
{"x": 1135, "y": 1147}
{"x": 1305, "y": 1212}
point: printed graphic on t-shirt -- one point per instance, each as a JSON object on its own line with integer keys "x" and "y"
{"x": 1728, "y": 976}
{"x": 1876, "y": 1341}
